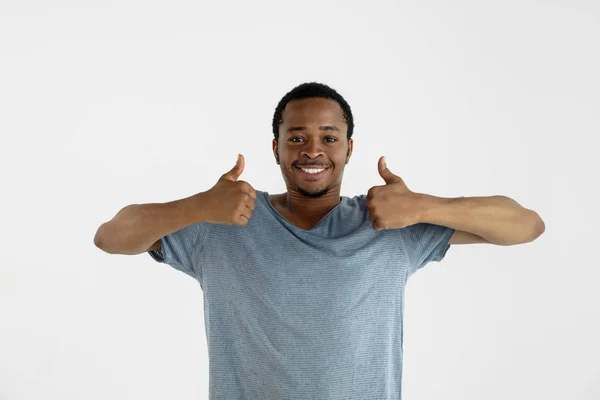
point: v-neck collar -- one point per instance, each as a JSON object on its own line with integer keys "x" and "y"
{"x": 281, "y": 217}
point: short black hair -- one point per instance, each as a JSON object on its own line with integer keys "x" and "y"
{"x": 307, "y": 90}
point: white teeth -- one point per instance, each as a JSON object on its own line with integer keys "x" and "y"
{"x": 312, "y": 171}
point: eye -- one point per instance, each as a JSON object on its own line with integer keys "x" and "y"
{"x": 333, "y": 140}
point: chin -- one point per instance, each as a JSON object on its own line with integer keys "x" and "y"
{"x": 313, "y": 193}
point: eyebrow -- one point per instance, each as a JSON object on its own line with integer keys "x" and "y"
{"x": 303, "y": 128}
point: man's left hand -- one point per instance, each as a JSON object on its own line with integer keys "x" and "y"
{"x": 393, "y": 205}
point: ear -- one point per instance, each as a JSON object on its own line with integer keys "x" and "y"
{"x": 275, "y": 150}
{"x": 350, "y": 149}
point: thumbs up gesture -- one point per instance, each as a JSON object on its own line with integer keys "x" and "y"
{"x": 393, "y": 205}
{"x": 229, "y": 201}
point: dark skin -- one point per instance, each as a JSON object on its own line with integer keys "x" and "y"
{"x": 318, "y": 139}
{"x": 493, "y": 219}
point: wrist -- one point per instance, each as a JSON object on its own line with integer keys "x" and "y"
{"x": 195, "y": 207}
{"x": 434, "y": 209}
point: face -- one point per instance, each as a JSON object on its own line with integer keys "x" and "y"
{"x": 313, "y": 136}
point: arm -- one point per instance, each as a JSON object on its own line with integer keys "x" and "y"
{"x": 137, "y": 227}
{"x": 496, "y": 219}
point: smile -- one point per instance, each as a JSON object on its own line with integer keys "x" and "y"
{"x": 311, "y": 173}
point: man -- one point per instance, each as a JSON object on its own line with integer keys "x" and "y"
{"x": 304, "y": 290}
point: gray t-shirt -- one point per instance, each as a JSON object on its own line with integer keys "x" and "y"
{"x": 304, "y": 314}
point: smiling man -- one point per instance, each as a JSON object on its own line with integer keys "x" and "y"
{"x": 312, "y": 151}
{"x": 304, "y": 290}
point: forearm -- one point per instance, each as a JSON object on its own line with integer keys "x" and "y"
{"x": 498, "y": 219}
{"x": 136, "y": 227}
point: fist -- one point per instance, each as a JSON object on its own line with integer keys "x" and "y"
{"x": 393, "y": 205}
{"x": 229, "y": 201}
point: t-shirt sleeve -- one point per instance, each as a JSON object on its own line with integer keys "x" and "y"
{"x": 424, "y": 242}
{"x": 181, "y": 249}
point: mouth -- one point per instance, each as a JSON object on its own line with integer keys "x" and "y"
{"x": 311, "y": 174}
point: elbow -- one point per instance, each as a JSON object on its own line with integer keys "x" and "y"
{"x": 100, "y": 239}
{"x": 541, "y": 228}
{"x": 538, "y": 226}
{"x": 105, "y": 234}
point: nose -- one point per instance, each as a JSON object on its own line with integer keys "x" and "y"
{"x": 312, "y": 149}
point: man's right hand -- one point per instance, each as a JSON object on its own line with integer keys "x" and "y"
{"x": 229, "y": 201}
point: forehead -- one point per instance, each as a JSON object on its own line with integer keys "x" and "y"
{"x": 314, "y": 109}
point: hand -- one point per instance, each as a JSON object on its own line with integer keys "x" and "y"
{"x": 392, "y": 205}
{"x": 230, "y": 201}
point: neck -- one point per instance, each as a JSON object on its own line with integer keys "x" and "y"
{"x": 305, "y": 207}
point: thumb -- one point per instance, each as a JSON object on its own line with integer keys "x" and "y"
{"x": 385, "y": 173}
{"x": 234, "y": 173}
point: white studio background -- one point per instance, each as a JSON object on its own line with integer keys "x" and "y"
{"x": 105, "y": 104}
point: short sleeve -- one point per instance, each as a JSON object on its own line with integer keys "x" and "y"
{"x": 181, "y": 249}
{"x": 424, "y": 242}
